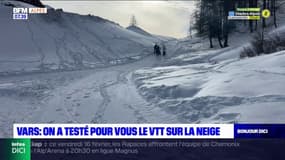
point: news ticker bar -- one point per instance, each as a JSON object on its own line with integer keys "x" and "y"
{"x": 110, "y": 149}
{"x": 148, "y": 131}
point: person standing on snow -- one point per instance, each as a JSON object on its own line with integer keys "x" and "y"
{"x": 156, "y": 49}
{"x": 163, "y": 50}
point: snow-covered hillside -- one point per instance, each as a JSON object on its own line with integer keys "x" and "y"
{"x": 138, "y": 30}
{"x": 143, "y": 32}
{"x": 60, "y": 40}
{"x": 191, "y": 84}
{"x": 215, "y": 86}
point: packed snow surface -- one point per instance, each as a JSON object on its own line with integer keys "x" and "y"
{"x": 69, "y": 68}
{"x": 249, "y": 90}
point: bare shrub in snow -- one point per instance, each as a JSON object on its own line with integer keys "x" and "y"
{"x": 257, "y": 43}
{"x": 247, "y": 52}
{"x": 273, "y": 42}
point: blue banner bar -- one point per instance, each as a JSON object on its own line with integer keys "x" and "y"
{"x": 259, "y": 130}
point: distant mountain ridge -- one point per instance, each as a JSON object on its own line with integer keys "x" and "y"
{"x": 138, "y": 30}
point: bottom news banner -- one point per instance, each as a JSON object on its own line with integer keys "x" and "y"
{"x": 145, "y": 141}
{"x": 146, "y": 149}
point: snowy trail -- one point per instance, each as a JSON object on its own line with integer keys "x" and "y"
{"x": 105, "y": 96}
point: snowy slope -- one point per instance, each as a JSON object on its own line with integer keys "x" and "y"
{"x": 215, "y": 86}
{"x": 191, "y": 84}
{"x": 60, "y": 40}
{"x": 138, "y": 30}
{"x": 145, "y": 33}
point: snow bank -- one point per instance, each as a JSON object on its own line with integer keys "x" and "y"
{"x": 224, "y": 92}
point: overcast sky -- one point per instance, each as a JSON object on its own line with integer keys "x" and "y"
{"x": 169, "y": 18}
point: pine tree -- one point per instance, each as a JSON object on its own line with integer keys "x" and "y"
{"x": 133, "y": 21}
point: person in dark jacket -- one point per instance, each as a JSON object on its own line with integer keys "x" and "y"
{"x": 156, "y": 50}
{"x": 163, "y": 50}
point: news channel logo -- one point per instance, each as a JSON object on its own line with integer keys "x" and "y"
{"x": 20, "y": 13}
{"x": 15, "y": 149}
{"x": 23, "y": 13}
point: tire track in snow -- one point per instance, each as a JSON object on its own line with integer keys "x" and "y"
{"x": 98, "y": 118}
{"x": 107, "y": 99}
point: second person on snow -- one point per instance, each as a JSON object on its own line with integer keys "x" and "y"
{"x": 157, "y": 50}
